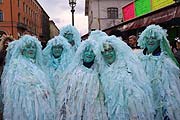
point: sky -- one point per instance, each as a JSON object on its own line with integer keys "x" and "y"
{"x": 60, "y": 12}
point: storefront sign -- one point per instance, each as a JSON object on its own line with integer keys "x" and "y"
{"x": 142, "y": 7}
{"x": 160, "y": 17}
{"x": 128, "y": 11}
{"x": 157, "y": 4}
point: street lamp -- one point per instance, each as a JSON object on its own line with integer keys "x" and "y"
{"x": 72, "y": 4}
{"x": 11, "y": 17}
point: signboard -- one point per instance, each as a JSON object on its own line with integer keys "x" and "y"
{"x": 128, "y": 11}
{"x": 157, "y": 4}
{"x": 142, "y": 7}
{"x": 160, "y": 17}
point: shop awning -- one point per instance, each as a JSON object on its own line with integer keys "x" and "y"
{"x": 156, "y": 17}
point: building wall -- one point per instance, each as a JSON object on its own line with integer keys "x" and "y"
{"x": 97, "y": 13}
{"x": 45, "y": 36}
{"x": 26, "y": 15}
{"x": 54, "y": 31}
{"x": 6, "y": 24}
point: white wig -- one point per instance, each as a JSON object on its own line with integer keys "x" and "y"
{"x": 66, "y": 53}
{"x": 124, "y": 56}
{"x": 74, "y": 31}
{"x": 21, "y": 43}
{"x": 160, "y": 34}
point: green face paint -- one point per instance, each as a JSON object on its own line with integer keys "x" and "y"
{"x": 69, "y": 37}
{"x": 88, "y": 55}
{"x": 29, "y": 50}
{"x": 152, "y": 44}
{"x": 57, "y": 50}
{"x": 109, "y": 53}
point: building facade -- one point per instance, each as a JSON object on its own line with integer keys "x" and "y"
{"x": 45, "y": 35}
{"x": 167, "y": 17}
{"x": 54, "y": 31}
{"x": 103, "y": 14}
{"x": 18, "y": 16}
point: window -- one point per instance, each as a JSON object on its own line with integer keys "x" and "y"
{"x": 1, "y": 1}
{"x": 19, "y": 17}
{"x": 18, "y": 3}
{"x": 24, "y": 19}
{"x": 24, "y": 7}
{"x": 26, "y": 22}
{"x": 1, "y": 16}
{"x": 112, "y": 13}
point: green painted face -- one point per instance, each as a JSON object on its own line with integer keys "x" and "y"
{"x": 152, "y": 44}
{"x": 88, "y": 54}
{"x": 57, "y": 50}
{"x": 69, "y": 37}
{"x": 109, "y": 53}
{"x": 29, "y": 50}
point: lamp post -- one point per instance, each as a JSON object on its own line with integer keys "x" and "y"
{"x": 11, "y": 17}
{"x": 72, "y": 4}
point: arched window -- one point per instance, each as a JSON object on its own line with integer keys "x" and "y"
{"x": 112, "y": 13}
